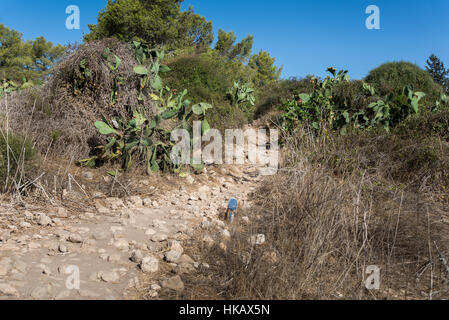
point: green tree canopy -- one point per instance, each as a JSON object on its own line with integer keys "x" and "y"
{"x": 26, "y": 59}
{"x": 156, "y": 22}
{"x": 194, "y": 31}
{"x": 435, "y": 67}
{"x": 266, "y": 70}
{"x": 161, "y": 23}
{"x": 226, "y": 46}
{"x": 225, "y": 42}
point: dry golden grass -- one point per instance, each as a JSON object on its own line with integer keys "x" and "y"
{"x": 325, "y": 222}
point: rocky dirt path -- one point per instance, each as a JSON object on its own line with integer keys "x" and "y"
{"x": 123, "y": 241}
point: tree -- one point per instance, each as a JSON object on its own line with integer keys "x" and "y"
{"x": 26, "y": 59}
{"x": 435, "y": 67}
{"x": 225, "y": 42}
{"x": 44, "y": 54}
{"x": 194, "y": 31}
{"x": 13, "y": 52}
{"x": 160, "y": 23}
{"x": 266, "y": 71}
{"x": 226, "y": 47}
{"x": 156, "y": 22}
{"x": 242, "y": 50}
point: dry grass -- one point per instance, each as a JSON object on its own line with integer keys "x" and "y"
{"x": 18, "y": 157}
{"x": 326, "y": 222}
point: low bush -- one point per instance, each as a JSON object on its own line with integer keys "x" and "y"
{"x": 274, "y": 94}
{"x": 351, "y": 96}
{"x": 225, "y": 116}
{"x": 403, "y": 158}
{"x": 204, "y": 78}
{"x": 393, "y": 76}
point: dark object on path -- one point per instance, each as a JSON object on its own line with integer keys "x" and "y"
{"x": 231, "y": 211}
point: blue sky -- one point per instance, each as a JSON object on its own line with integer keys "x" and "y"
{"x": 304, "y": 36}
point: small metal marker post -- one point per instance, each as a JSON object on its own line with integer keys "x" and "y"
{"x": 231, "y": 212}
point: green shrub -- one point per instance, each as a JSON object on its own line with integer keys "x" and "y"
{"x": 270, "y": 96}
{"x": 207, "y": 79}
{"x": 21, "y": 151}
{"x": 242, "y": 96}
{"x": 204, "y": 78}
{"x": 393, "y": 76}
{"x": 351, "y": 96}
{"x": 426, "y": 123}
{"x": 224, "y": 117}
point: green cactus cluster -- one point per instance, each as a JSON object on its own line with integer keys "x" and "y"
{"x": 319, "y": 108}
{"x": 139, "y": 140}
{"x": 8, "y": 86}
{"x": 148, "y": 68}
{"x": 133, "y": 142}
{"x": 441, "y": 102}
{"x": 242, "y": 96}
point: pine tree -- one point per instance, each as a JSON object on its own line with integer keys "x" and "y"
{"x": 156, "y": 22}
{"x": 266, "y": 70}
{"x": 29, "y": 59}
{"x": 439, "y": 73}
{"x": 227, "y": 47}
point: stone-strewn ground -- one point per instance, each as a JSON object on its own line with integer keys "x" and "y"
{"x": 120, "y": 243}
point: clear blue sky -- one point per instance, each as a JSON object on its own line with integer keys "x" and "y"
{"x": 304, "y": 36}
